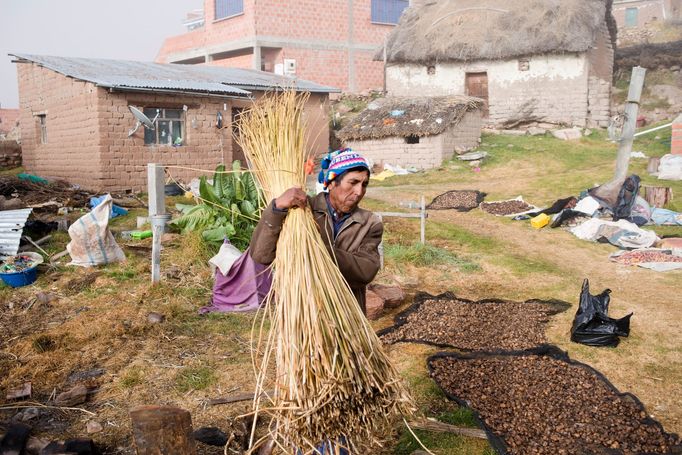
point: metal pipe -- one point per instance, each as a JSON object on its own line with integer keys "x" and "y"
{"x": 653, "y": 129}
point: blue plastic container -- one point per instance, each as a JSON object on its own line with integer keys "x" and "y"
{"x": 19, "y": 279}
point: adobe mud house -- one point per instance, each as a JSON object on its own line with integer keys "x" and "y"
{"x": 531, "y": 60}
{"x": 415, "y": 132}
{"x": 76, "y": 122}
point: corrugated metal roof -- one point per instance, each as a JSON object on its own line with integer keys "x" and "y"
{"x": 126, "y": 74}
{"x": 11, "y": 227}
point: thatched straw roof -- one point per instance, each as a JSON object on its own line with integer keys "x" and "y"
{"x": 404, "y": 117}
{"x": 466, "y": 30}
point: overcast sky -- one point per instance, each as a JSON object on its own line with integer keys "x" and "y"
{"x": 121, "y": 29}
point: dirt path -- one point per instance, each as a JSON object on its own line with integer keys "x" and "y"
{"x": 647, "y": 364}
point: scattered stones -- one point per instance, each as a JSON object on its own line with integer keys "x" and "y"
{"x": 77, "y": 395}
{"x": 543, "y": 404}
{"x": 27, "y": 414}
{"x": 393, "y": 296}
{"x": 19, "y": 392}
{"x": 93, "y": 427}
{"x": 485, "y": 325}
{"x": 155, "y": 318}
{"x": 568, "y": 134}
{"x": 44, "y": 298}
{"x": 374, "y": 306}
{"x": 503, "y": 208}
{"x": 461, "y": 200}
{"x": 79, "y": 376}
{"x": 536, "y": 131}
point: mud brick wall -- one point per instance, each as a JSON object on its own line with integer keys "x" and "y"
{"x": 676, "y": 144}
{"x": 71, "y": 113}
{"x": 10, "y": 154}
{"x": 430, "y": 152}
{"x": 87, "y": 132}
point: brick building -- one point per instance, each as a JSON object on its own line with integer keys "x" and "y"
{"x": 530, "y": 60}
{"x": 639, "y": 13}
{"x": 329, "y": 42}
{"x": 415, "y": 132}
{"x": 77, "y": 124}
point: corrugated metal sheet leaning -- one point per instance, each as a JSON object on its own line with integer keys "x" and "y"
{"x": 11, "y": 227}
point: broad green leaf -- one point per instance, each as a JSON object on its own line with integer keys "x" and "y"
{"x": 206, "y": 191}
{"x": 218, "y": 234}
{"x": 218, "y": 180}
{"x": 247, "y": 208}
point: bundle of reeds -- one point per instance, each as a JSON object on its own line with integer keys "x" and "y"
{"x": 332, "y": 380}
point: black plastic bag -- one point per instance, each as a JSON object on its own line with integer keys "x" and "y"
{"x": 592, "y": 325}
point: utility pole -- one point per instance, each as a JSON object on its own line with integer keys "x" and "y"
{"x": 609, "y": 191}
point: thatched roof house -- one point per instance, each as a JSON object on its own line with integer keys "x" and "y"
{"x": 415, "y": 132}
{"x": 561, "y": 51}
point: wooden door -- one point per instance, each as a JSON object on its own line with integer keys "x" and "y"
{"x": 477, "y": 86}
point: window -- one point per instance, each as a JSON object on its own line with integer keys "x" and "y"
{"x": 524, "y": 64}
{"x": 227, "y": 8}
{"x": 412, "y": 139}
{"x": 42, "y": 125}
{"x": 388, "y": 11}
{"x": 631, "y": 17}
{"x": 169, "y": 126}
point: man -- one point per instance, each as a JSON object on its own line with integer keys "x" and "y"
{"x": 351, "y": 234}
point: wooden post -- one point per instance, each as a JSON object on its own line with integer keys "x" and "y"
{"x": 609, "y": 191}
{"x": 162, "y": 430}
{"x": 155, "y": 189}
{"x": 422, "y": 220}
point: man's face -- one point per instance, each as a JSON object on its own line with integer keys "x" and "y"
{"x": 347, "y": 193}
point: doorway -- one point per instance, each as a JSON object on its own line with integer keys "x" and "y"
{"x": 477, "y": 86}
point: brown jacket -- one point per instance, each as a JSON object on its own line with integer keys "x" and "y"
{"x": 355, "y": 247}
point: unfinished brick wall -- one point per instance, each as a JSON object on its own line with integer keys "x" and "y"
{"x": 647, "y": 11}
{"x": 600, "y": 59}
{"x": 430, "y": 152}
{"x": 10, "y": 154}
{"x": 72, "y": 115}
{"x": 335, "y": 48}
{"x": 676, "y": 143}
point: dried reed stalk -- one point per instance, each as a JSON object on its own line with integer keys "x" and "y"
{"x": 331, "y": 377}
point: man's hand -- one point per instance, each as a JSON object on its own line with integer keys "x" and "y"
{"x": 293, "y": 197}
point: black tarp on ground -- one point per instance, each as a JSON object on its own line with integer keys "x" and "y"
{"x": 559, "y": 421}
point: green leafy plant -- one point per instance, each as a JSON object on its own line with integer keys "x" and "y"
{"x": 228, "y": 208}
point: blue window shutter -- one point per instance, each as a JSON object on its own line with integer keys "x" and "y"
{"x": 388, "y": 11}
{"x": 227, "y": 8}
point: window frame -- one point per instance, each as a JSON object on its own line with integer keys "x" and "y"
{"x": 42, "y": 127}
{"x": 227, "y": 5}
{"x": 380, "y": 11}
{"x": 180, "y": 119}
{"x": 631, "y": 18}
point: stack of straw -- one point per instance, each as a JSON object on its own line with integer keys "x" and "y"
{"x": 332, "y": 379}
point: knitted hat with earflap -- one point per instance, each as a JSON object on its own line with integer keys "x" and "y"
{"x": 338, "y": 162}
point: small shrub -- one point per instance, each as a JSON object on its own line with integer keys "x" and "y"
{"x": 44, "y": 343}
{"x": 132, "y": 377}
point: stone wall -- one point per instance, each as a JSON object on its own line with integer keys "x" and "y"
{"x": 10, "y": 154}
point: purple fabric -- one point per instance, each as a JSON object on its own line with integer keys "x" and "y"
{"x": 243, "y": 288}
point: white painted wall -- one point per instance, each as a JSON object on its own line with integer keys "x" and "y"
{"x": 557, "y": 82}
